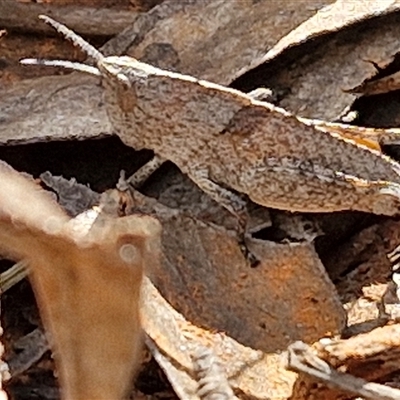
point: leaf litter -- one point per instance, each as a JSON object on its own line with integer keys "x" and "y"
{"x": 219, "y": 298}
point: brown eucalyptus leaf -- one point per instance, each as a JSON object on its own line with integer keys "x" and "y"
{"x": 205, "y": 276}
{"x": 53, "y": 108}
{"x": 332, "y": 18}
{"x": 251, "y": 373}
{"x": 311, "y": 76}
{"x": 216, "y": 39}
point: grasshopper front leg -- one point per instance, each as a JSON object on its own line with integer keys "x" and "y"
{"x": 226, "y": 198}
{"x": 144, "y": 172}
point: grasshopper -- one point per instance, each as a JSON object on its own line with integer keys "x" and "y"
{"x": 231, "y": 144}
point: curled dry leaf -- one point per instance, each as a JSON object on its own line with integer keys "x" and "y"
{"x": 214, "y": 40}
{"x": 86, "y": 274}
{"x": 312, "y": 65}
{"x": 358, "y": 355}
{"x": 378, "y": 86}
{"x": 332, "y": 18}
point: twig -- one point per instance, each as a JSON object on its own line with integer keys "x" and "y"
{"x": 12, "y": 276}
{"x": 302, "y": 359}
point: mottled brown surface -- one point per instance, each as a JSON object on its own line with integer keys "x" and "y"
{"x": 249, "y": 146}
{"x": 359, "y": 266}
{"x": 246, "y": 30}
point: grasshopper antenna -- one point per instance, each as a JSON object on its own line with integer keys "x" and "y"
{"x": 74, "y": 38}
{"x": 64, "y": 64}
{"x": 77, "y": 41}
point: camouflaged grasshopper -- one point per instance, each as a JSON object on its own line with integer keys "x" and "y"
{"x": 231, "y": 144}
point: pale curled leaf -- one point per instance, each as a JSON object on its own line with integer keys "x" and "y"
{"x": 75, "y": 275}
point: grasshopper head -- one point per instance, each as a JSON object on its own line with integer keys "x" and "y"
{"x": 125, "y": 69}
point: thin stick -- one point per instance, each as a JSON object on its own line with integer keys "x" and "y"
{"x": 302, "y": 359}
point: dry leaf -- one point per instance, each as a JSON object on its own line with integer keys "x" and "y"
{"x": 213, "y": 40}
{"x": 205, "y": 277}
{"x": 86, "y": 274}
{"x": 174, "y": 340}
{"x": 311, "y": 75}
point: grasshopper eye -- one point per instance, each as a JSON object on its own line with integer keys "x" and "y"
{"x": 109, "y": 67}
